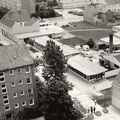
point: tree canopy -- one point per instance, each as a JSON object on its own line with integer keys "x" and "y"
{"x": 44, "y": 12}
{"x": 53, "y": 96}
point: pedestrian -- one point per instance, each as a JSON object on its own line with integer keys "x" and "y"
{"x": 91, "y": 108}
{"x": 94, "y": 109}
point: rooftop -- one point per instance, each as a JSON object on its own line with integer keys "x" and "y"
{"x": 85, "y": 66}
{"x": 113, "y": 59}
{"x": 13, "y": 56}
{"x": 117, "y": 56}
{"x": 112, "y": 2}
{"x": 116, "y": 40}
{"x": 50, "y": 30}
{"x": 67, "y": 50}
{"x": 43, "y": 40}
{"x": 18, "y": 16}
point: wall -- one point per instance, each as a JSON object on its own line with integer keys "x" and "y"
{"x": 115, "y": 7}
{"x": 116, "y": 96}
{"x": 89, "y": 13}
{"x": 29, "y": 5}
{"x": 17, "y": 88}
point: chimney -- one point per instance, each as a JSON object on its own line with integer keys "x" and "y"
{"x": 111, "y": 42}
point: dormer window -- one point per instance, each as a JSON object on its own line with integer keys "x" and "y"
{"x": 21, "y": 24}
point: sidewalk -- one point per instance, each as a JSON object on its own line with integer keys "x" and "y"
{"x": 87, "y": 102}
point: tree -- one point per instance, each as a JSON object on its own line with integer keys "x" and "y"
{"x": 110, "y": 16}
{"x": 53, "y": 96}
{"x": 3, "y": 11}
{"x": 54, "y": 63}
{"x": 37, "y": 8}
{"x": 91, "y": 43}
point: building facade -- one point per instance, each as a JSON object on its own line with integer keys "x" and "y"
{"x": 16, "y": 81}
{"x": 116, "y": 92}
{"x": 17, "y": 5}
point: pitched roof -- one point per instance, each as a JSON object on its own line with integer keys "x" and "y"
{"x": 13, "y": 56}
{"x": 17, "y": 16}
{"x": 112, "y": 59}
{"x": 112, "y": 2}
{"x": 85, "y": 66}
{"x": 117, "y": 56}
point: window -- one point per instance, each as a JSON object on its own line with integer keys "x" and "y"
{"x": 9, "y": 116}
{"x": 14, "y": 95}
{"x": 2, "y": 79}
{"x": 5, "y": 97}
{"x": 6, "y": 102}
{"x": 24, "y": 103}
{"x": 1, "y": 74}
{"x": 13, "y": 84}
{"x": 30, "y": 91}
{"x": 20, "y": 82}
{"x": 4, "y": 91}
{"x": 7, "y": 108}
{"x": 28, "y": 81}
{"x": 18, "y": 70}
{"x": 11, "y": 72}
{"x": 17, "y": 105}
{"x": 32, "y": 102}
{"x": 22, "y": 93}
{"x": 28, "y": 69}
{"x": 3, "y": 86}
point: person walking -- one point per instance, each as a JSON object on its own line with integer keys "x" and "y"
{"x": 94, "y": 109}
{"x": 91, "y": 108}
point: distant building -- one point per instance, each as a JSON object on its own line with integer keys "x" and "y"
{"x": 18, "y": 22}
{"x": 17, "y": 83}
{"x": 74, "y": 3}
{"x": 18, "y": 5}
{"x": 113, "y": 5}
{"x": 95, "y": 13}
{"x": 86, "y": 68}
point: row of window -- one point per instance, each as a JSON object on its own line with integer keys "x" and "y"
{"x": 28, "y": 81}
{"x": 31, "y": 102}
{"x": 11, "y": 72}
{"x": 30, "y": 91}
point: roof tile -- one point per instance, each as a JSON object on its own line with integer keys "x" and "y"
{"x": 13, "y": 56}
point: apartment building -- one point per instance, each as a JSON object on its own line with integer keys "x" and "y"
{"x": 17, "y": 5}
{"x": 16, "y": 81}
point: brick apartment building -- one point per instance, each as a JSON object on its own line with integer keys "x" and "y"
{"x": 16, "y": 81}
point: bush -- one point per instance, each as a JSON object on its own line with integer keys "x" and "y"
{"x": 89, "y": 117}
{"x": 98, "y": 113}
{"x": 105, "y": 110}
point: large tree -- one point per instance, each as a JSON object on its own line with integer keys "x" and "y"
{"x": 54, "y": 96}
{"x": 54, "y": 63}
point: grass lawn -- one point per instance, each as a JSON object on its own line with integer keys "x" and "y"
{"x": 82, "y": 25}
{"x": 95, "y": 35}
{"x": 83, "y": 31}
{"x": 72, "y": 41}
